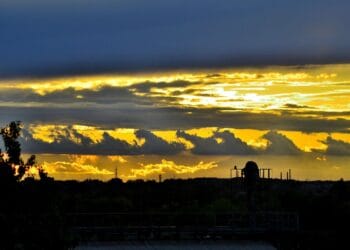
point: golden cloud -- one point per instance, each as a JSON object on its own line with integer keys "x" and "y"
{"x": 83, "y": 159}
{"x": 59, "y": 168}
{"x": 117, "y": 158}
{"x": 169, "y": 167}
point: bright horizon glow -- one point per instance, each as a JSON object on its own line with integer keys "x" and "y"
{"x": 311, "y": 95}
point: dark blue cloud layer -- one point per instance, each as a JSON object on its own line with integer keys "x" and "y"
{"x": 278, "y": 144}
{"x": 74, "y": 37}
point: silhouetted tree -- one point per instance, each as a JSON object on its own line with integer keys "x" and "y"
{"x": 12, "y": 167}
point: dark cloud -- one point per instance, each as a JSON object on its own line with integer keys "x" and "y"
{"x": 63, "y": 144}
{"x": 111, "y": 146}
{"x": 279, "y": 144}
{"x": 229, "y": 144}
{"x": 69, "y": 141}
{"x": 295, "y": 106}
{"x": 102, "y": 95}
{"x": 156, "y": 145}
{"x": 151, "y": 117}
{"x": 145, "y": 87}
{"x": 337, "y": 147}
{"x": 321, "y": 113}
{"x": 111, "y": 106}
{"x": 83, "y": 37}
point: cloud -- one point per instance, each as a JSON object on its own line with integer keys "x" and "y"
{"x": 158, "y": 35}
{"x": 146, "y": 87}
{"x": 225, "y": 143}
{"x": 337, "y": 147}
{"x": 166, "y": 167}
{"x": 70, "y": 141}
{"x": 156, "y": 145}
{"x": 110, "y": 146}
{"x": 257, "y": 99}
{"x": 83, "y": 159}
{"x": 71, "y": 169}
{"x": 102, "y": 95}
{"x": 229, "y": 144}
{"x": 296, "y": 106}
{"x": 279, "y": 144}
{"x": 117, "y": 158}
{"x": 173, "y": 118}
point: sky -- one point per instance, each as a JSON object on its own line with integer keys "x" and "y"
{"x": 179, "y": 88}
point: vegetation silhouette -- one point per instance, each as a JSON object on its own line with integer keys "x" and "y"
{"x": 12, "y": 166}
{"x": 45, "y": 213}
{"x": 29, "y": 215}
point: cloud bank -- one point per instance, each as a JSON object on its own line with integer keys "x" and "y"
{"x": 221, "y": 142}
{"x": 70, "y": 141}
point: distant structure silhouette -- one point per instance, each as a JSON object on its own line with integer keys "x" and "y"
{"x": 251, "y": 179}
{"x": 251, "y": 174}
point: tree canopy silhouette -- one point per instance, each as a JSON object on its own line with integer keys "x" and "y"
{"x": 12, "y": 166}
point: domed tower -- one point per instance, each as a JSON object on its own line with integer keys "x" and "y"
{"x": 251, "y": 179}
{"x": 251, "y": 173}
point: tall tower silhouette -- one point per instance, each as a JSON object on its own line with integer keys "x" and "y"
{"x": 251, "y": 179}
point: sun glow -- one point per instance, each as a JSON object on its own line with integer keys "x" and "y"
{"x": 309, "y": 89}
{"x": 297, "y": 97}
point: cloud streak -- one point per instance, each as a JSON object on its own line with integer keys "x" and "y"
{"x": 73, "y": 168}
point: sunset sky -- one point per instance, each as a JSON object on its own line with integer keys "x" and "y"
{"x": 178, "y": 88}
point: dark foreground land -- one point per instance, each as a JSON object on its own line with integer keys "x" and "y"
{"x": 50, "y": 214}
{"x": 175, "y": 245}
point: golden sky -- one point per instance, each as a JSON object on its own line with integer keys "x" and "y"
{"x": 186, "y": 123}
